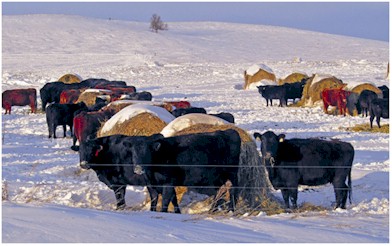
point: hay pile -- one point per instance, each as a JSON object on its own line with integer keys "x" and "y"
{"x": 136, "y": 120}
{"x": 292, "y": 78}
{"x": 70, "y": 78}
{"x": 258, "y": 73}
{"x": 359, "y": 87}
{"x": 198, "y": 128}
{"x": 315, "y": 85}
{"x": 90, "y": 95}
{"x": 366, "y": 128}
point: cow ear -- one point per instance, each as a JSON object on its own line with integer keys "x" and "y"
{"x": 281, "y": 138}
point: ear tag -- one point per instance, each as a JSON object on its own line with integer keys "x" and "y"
{"x": 281, "y": 140}
{"x": 97, "y": 153}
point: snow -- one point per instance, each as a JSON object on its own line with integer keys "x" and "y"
{"x": 136, "y": 109}
{"x": 49, "y": 198}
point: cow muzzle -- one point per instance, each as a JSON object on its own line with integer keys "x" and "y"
{"x": 84, "y": 165}
{"x": 269, "y": 159}
{"x": 138, "y": 170}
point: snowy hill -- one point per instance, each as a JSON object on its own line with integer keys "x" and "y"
{"x": 202, "y": 62}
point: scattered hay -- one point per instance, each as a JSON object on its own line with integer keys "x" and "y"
{"x": 144, "y": 124}
{"x": 70, "y": 78}
{"x": 4, "y": 191}
{"x": 292, "y": 78}
{"x": 366, "y": 128}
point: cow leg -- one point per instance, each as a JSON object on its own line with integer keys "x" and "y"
{"x": 371, "y": 121}
{"x": 119, "y": 192}
{"x": 286, "y": 195}
{"x": 378, "y": 121}
{"x": 64, "y": 129}
{"x": 153, "y": 197}
{"x": 293, "y": 195}
{"x": 167, "y": 196}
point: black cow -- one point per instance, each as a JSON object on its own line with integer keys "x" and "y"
{"x": 352, "y": 103}
{"x": 225, "y": 116}
{"x": 312, "y": 162}
{"x": 109, "y": 158}
{"x": 61, "y": 114}
{"x": 364, "y": 100}
{"x": 183, "y": 111}
{"x": 385, "y": 91}
{"x": 379, "y": 108}
{"x": 294, "y": 90}
{"x": 196, "y": 160}
{"x": 270, "y": 92}
{"x": 142, "y": 96}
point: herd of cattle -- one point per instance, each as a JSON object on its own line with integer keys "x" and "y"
{"x": 200, "y": 159}
{"x": 366, "y": 102}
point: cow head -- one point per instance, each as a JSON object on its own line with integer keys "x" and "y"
{"x": 269, "y": 147}
{"x": 89, "y": 151}
{"x": 142, "y": 150}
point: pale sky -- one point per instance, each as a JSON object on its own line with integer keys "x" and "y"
{"x": 358, "y": 19}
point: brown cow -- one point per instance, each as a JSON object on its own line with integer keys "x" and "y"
{"x": 19, "y": 97}
{"x": 335, "y": 97}
{"x": 70, "y": 96}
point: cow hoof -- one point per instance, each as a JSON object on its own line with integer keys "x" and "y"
{"x": 120, "y": 207}
{"x": 75, "y": 148}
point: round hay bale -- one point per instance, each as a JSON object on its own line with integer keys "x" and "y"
{"x": 315, "y": 85}
{"x": 136, "y": 120}
{"x": 144, "y": 124}
{"x": 188, "y": 120}
{"x": 292, "y": 78}
{"x": 258, "y": 73}
{"x": 90, "y": 95}
{"x": 359, "y": 87}
{"x": 198, "y": 128}
{"x": 70, "y": 78}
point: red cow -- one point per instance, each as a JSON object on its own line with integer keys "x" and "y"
{"x": 87, "y": 124}
{"x": 180, "y": 104}
{"x": 70, "y": 96}
{"x": 19, "y": 97}
{"x": 335, "y": 97}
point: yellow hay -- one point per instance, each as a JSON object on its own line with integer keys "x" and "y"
{"x": 292, "y": 78}
{"x": 312, "y": 91}
{"x": 211, "y": 128}
{"x": 260, "y": 75}
{"x": 89, "y": 97}
{"x": 70, "y": 78}
{"x": 144, "y": 124}
{"x": 366, "y": 86}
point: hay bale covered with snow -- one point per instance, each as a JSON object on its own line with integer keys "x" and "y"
{"x": 293, "y": 77}
{"x": 90, "y": 95}
{"x": 260, "y": 74}
{"x": 315, "y": 85}
{"x": 136, "y": 120}
{"x": 70, "y": 78}
{"x": 358, "y": 87}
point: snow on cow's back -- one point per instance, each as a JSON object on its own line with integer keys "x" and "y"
{"x": 188, "y": 120}
{"x": 136, "y": 109}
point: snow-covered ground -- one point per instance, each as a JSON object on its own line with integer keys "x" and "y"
{"x": 50, "y": 199}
